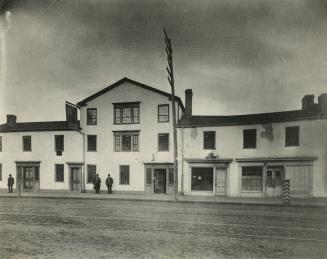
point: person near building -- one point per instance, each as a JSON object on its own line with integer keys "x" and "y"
{"x": 109, "y": 182}
{"x": 11, "y": 182}
{"x": 97, "y": 184}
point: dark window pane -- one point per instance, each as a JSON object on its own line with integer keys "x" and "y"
{"x": 36, "y": 173}
{"x": 171, "y": 176}
{"x": 292, "y": 136}
{"x": 91, "y": 173}
{"x": 0, "y": 144}
{"x": 163, "y": 113}
{"x": 269, "y": 179}
{"x": 252, "y": 179}
{"x": 209, "y": 139}
{"x": 59, "y": 142}
{"x": 59, "y": 173}
{"x": 202, "y": 179}
{"x": 249, "y": 138}
{"x": 163, "y": 142}
{"x": 0, "y": 172}
{"x": 27, "y": 143}
{"x": 91, "y": 142}
{"x": 92, "y": 116}
{"x": 149, "y": 176}
{"x": 124, "y": 174}
{"x": 126, "y": 142}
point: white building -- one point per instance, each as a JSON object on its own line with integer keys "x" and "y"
{"x": 249, "y": 155}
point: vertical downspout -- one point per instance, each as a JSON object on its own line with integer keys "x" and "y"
{"x": 182, "y": 180}
{"x": 83, "y": 170}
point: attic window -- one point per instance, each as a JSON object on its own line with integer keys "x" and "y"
{"x": 126, "y": 113}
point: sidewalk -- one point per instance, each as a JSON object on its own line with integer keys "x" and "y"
{"x": 311, "y": 202}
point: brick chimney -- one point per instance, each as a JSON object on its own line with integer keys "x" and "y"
{"x": 11, "y": 119}
{"x": 188, "y": 102}
{"x": 308, "y": 102}
{"x": 322, "y": 103}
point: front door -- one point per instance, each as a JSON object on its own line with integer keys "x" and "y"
{"x": 28, "y": 178}
{"x": 75, "y": 178}
{"x": 221, "y": 174}
{"x": 274, "y": 182}
{"x": 159, "y": 180}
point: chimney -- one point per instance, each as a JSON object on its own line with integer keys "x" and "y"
{"x": 188, "y": 102}
{"x": 11, "y": 119}
{"x": 322, "y": 103}
{"x": 308, "y": 102}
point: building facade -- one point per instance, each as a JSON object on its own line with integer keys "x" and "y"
{"x": 250, "y": 155}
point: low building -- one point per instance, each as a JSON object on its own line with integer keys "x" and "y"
{"x": 250, "y": 155}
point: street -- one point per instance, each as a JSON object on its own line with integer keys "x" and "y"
{"x": 90, "y": 228}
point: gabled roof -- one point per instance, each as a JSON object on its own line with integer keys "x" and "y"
{"x": 259, "y": 118}
{"x": 37, "y": 126}
{"x": 124, "y": 80}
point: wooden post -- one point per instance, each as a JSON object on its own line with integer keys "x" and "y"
{"x": 170, "y": 70}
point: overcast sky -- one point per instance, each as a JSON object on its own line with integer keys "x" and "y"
{"x": 238, "y": 56}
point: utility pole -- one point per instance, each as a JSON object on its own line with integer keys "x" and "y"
{"x": 170, "y": 70}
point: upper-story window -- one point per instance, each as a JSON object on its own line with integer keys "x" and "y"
{"x": 27, "y": 143}
{"x": 126, "y": 113}
{"x": 91, "y": 142}
{"x": 163, "y": 142}
{"x": 91, "y": 116}
{"x": 126, "y": 141}
{"x": 0, "y": 143}
{"x": 163, "y": 113}
{"x": 292, "y": 136}
{"x": 249, "y": 138}
{"x": 59, "y": 144}
{"x": 209, "y": 140}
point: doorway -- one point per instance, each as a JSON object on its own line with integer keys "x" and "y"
{"x": 221, "y": 177}
{"x": 159, "y": 180}
{"x": 274, "y": 182}
{"x": 75, "y": 179}
{"x": 28, "y": 178}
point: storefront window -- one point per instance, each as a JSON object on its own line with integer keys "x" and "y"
{"x": 202, "y": 179}
{"x": 252, "y": 178}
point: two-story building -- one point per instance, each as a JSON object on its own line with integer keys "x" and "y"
{"x": 249, "y": 155}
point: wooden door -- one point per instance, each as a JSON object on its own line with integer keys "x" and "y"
{"x": 75, "y": 178}
{"x": 159, "y": 176}
{"x": 221, "y": 176}
{"x": 274, "y": 182}
{"x": 28, "y": 178}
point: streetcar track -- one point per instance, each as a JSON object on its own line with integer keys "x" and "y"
{"x": 203, "y": 233}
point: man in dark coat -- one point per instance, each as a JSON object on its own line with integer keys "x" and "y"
{"x": 97, "y": 183}
{"x": 11, "y": 182}
{"x": 109, "y": 182}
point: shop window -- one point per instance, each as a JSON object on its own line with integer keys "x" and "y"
{"x": 37, "y": 173}
{"x": 27, "y": 143}
{"x": 124, "y": 175}
{"x": 249, "y": 138}
{"x": 252, "y": 179}
{"x": 59, "y": 172}
{"x": 148, "y": 176}
{"x": 91, "y": 116}
{"x": 163, "y": 113}
{"x": 163, "y": 142}
{"x": 202, "y": 179}
{"x": 91, "y": 142}
{"x": 91, "y": 173}
{"x": 292, "y": 135}
{"x": 209, "y": 140}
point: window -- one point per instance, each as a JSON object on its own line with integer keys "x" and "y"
{"x": 163, "y": 113}
{"x": 27, "y": 143}
{"x": 171, "y": 176}
{"x": 91, "y": 173}
{"x": 36, "y": 173}
{"x": 124, "y": 175}
{"x": 163, "y": 142}
{"x": 0, "y": 172}
{"x": 126, "y": 113}
{"x": 59, "y": 142}
{"x": 91, "y": 116}
{"x": 292, "y": 135}
{"x": 209, "y": 140}
{"x": 91, "y": 143}
{"x": 126, "y": 141}
{"x": 202, "y": 179}
{"x": 252, "y": 179}
{"x": 249, "y": 138}
{"x": 148, "y": 176}
{"x": 0, "y": 143}
{"x": 59, "y": 173}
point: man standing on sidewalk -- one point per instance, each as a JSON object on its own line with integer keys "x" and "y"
{"x": 11, "y": 182}
{"x": 109, "y": 182}
{"x": 97, "y": 183}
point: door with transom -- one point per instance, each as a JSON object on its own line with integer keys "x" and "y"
{"x": 28, "y": 178}
{"x": 274, "y": 182}
{"x": 75, "y": 178}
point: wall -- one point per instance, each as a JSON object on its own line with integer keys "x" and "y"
{"x": 108, "y": 161}
{"x": 43, "y": 149}
{"x": 229, "y": 144}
